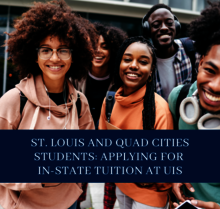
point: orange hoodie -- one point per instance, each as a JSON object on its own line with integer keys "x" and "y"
{"x": 127, "y": 111}
{"x": 34, "y": 116}
{"x": 127, "y": 114}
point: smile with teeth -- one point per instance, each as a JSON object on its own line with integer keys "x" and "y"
{"x": 99, "y": 58}
{"x": 212, "y": 98}
{"x": 164, "y": 36}
{"x": 54, "y": 67}
{"x": 132, "y": 75}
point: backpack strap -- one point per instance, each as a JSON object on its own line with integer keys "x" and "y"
{"x": 78, "y": 105}
{"x": 182, "y": 95}
{"x": 190, "y": 51}
{"x": 23, "y": 100}
{"x": 110, "y": 101}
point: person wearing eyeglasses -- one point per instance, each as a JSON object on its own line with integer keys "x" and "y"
{"x": 49, "y": 45}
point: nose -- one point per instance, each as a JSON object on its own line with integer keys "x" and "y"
{"x": 134, "y": 65}
{"x": 164, "y": 27}
{"x": 98, "y": 49}
{"x": 54, "y": 57}
{"x": 214, "y": 84}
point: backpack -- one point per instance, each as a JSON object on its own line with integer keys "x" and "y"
{"x": 182, "y": 95}
{"x": 23, "y": 100}
{"x": 190, "y": 51}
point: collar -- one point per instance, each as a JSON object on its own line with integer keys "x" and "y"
{"x": 181, "y": 52}
{"x": 132, "y": 99}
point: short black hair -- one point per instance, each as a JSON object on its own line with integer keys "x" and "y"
{"x": 156, "y": 7}
{"x": 205, "y": 30}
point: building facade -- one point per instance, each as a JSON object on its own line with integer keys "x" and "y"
{"x": 125, "y": 14}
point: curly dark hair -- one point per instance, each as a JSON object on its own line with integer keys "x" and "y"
{"x": 156, "y": 7}
{"x": 148, "y": 113}
{"x": 205, "y": 30}
{"x": 51, "y": 19}
{"x": 113, "y": 37}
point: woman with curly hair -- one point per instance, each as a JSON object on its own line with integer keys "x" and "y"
{"x": 49, "y": 45}
{"x": 100, "y": 76}
{"x": 137, "y": 106}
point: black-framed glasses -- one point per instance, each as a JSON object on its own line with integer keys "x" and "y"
{"x": 46, "y": 53}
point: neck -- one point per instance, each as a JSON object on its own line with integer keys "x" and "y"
{"x": 166, "y": 53}
{"x": 99, "y": 72}
{"x": 54, "y": 86}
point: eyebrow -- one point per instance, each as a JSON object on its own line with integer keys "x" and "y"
{"x": 50, "y": 46}
{"x": 169, "y": 18}
{"x": 143, "y": 56}
{"x": 212, "y": 65}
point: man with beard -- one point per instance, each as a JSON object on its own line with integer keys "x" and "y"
{"x": 173, "y": 64}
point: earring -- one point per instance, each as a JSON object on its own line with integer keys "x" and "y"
{"x": 149, "y": 79}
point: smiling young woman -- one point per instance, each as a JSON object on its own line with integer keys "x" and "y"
{"x": 49, "y": 45}
{"x": 99, "y": 79}
{"x": 138, "y": 107}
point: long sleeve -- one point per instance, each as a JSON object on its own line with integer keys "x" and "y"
{"x": 10, "y": 110}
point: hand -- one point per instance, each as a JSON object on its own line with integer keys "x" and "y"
{"x": 201, "y": 204}
{"x": 206, "y": 205}
{"x": 176, "y": 188}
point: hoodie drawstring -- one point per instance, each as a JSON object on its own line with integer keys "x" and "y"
{"x": 74, "y": 120}
{"x": 34, "y": 119}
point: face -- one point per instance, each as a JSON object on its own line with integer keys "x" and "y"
{"x": 102, "y": 54}
{"x": 54, "y": 68}
{"x": 135, "y": 67}
{"x": 162, "y": 28}
{"x": 208, "y": 80}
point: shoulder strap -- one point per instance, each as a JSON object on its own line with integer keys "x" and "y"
{"x": 110, "y": 101}
{"x": 190, "y": 51}
{"x": 182, "y": 95}
{"x": 78, "y": 105}
{"x": 23, "y": 100}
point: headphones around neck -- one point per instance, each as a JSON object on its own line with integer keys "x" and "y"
{"x": 191, "y": 112}
{"x": 146, "y": 26}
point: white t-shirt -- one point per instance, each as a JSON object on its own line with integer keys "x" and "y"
{"x": 167, "y": 75}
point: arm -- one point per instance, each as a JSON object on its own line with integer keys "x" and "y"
{"x": 10, "y": 110}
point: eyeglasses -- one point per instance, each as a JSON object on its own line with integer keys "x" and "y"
{"x": 46, "y": 53}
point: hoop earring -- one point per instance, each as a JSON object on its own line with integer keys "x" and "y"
{"x": 149, "y": 79}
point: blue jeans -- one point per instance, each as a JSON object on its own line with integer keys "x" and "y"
{"x": 73, "y": 206}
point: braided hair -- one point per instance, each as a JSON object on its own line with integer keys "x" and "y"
{"x": 148, "y": 113}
